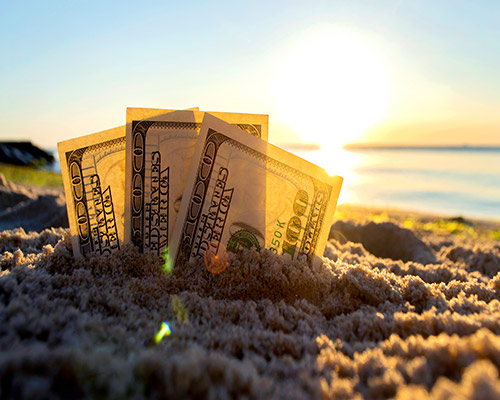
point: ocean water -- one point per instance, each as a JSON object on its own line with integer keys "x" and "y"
{"x": 462, "y": 181}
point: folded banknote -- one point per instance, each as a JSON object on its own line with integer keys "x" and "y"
{"x": 242, "y": 192}
{"x": 93, "y": 171}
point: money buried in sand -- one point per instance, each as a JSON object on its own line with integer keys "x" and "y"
{"x": 141, "y": 183}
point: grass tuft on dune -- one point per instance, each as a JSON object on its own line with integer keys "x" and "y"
{"x": 31, "y": 176}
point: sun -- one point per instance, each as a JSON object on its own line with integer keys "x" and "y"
{"x": 331, "y": 85}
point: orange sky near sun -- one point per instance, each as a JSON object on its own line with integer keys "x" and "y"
{"x": 433, "y": 133}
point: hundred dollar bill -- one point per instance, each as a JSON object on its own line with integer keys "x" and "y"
{"x": 93, "y": 171}
{"x": 160, "y": 147}
{"x": 243, "y": 192}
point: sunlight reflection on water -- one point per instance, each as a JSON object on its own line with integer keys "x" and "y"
{"x": 445, "y": 181}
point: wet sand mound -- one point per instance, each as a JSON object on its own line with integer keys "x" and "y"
{"x": 361, "y": 325}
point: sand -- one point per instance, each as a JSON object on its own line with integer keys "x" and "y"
{"x": 391, "y": 312}
{"x": 32, "y": 207}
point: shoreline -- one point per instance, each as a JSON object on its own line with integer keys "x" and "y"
{"x": 22, "y": 199}
{"x": 40, "y": 181}
{"x": 355, "y": 211}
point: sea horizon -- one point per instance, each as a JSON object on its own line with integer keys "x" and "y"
{"x": 400, "y": 146}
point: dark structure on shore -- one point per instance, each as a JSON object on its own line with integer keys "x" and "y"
{"x": 24, "y": 153}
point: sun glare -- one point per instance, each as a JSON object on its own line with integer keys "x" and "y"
{"x": 331, "y": 86}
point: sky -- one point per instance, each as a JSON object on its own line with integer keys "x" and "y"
{"x": 328, "y": 72}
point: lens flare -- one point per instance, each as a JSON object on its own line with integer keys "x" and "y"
{"x": 164, "y": 331}
{"x": 167, "y": 267}
{"x": 179, "y": 309}
{"x": 216, "y": 257}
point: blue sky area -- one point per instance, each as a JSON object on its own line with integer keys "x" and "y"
{"x": 409, "y": 71}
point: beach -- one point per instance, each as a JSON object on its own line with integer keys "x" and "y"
{"x": 405, "y": 305}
